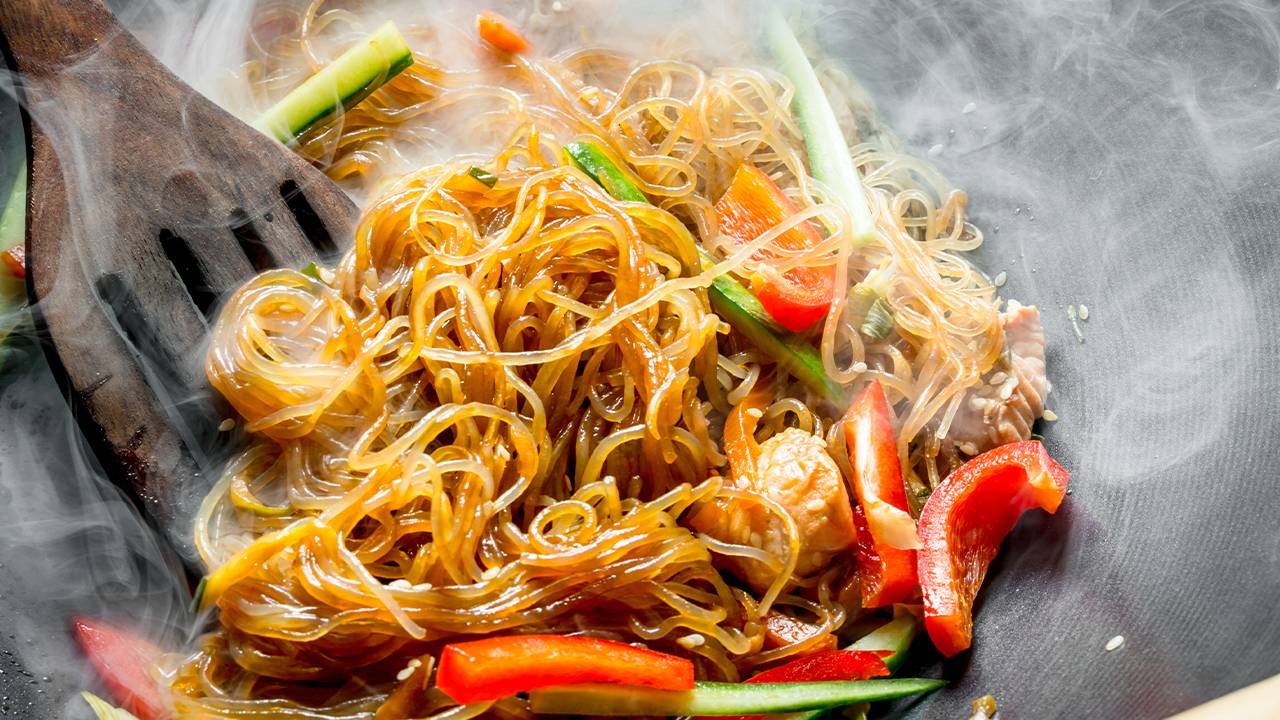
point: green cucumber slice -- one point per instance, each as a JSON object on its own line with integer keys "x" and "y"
{"x": 713, "y": 698}
{"x": 339, "y": 86}
{"x": 829, "y": 158}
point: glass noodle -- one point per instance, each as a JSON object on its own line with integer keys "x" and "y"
{"x": 494, "y": 412}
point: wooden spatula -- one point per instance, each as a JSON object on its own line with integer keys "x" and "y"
{"x": 147, "y": 204}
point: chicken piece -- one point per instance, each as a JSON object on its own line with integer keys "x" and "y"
{"x": 794, "y": 470}
{"x": 1002, "y": 409}
{"x": 784, "y": 631}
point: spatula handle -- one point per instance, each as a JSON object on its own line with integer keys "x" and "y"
{"x": 45, "y": 36}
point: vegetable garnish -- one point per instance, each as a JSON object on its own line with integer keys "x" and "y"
{"x": 122, "y": 661}
{"x": 485, "y": 177}
{"x": 796, "y": 298}
{"x": 500, "y": 33}
{"x": 887, "y": 538}
{"x": 197, "y": 596}
{"x": 311, "y": 270}
{"x": 877, "y": 471}
{"x": 829, "y": 157}
{"x": 870, "y": 309}
{"x": 595, "y": 163}
{"x": 494, "y": 668}
{"x": 828, "y": 665}
{"x": 729, "y": 298}
{"x": 339, "y": 86}
{"x": 720, "y": 699}
{"x": 894, "y": 638}
{"x": 15, "y": 259}
{"x": 104, "y": 710}
{"x": 963, "y": 524}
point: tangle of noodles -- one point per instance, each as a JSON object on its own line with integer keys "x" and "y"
{"x": 496, "y": 411}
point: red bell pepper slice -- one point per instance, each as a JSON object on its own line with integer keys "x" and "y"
{"x": 122, "y": 661}
{"x": 886, "y": 532}
{"x": 493, "y": 668}
{"x": 15, "y": 258}
{"x": 829, "y": 665}
{"x": 832, "y": 665}
{"x": 752, "y": 206}
{"x": 500, "y": 33}
{"x": 965, "y": 520}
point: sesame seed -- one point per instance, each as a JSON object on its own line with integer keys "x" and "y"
{"x": 998, "y": 377}
{"x": 415, "y": 663}
{"x": 1084, "y": 312}
{"x": 971, "y": 107}
{"x": 936, "y": 150}
{"x": 756, "y": 539}
{"x": 226, "y": 425}
{"x": 1114, "y": 643}
{"x": 816, "y": 505}
{"x": 756, "y": 413}
{"x": 1001, "y": 278}
{"x": 1050, "y": 415}
{"x": 401, "y": 584}
{"x": 404, "y": 674}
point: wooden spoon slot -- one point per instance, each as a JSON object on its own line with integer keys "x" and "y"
{"x": 307, "y": 218}
{"x": 189, "y": 270}
{"x": 259, "y": 254}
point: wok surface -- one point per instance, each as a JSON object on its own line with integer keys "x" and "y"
{"x": 1127, "y": 153}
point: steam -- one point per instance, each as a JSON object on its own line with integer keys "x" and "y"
{"x": 70, "y": 545}
{"x": 1109, "y": 149}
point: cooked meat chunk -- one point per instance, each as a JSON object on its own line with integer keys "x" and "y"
{"x": 795, "y": 471}
{"x": 1003, "y": 408}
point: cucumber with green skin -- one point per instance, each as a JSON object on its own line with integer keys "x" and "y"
{"x": 716, "y": 698}
{"x": 894, "y": 636}
{"x": 829, "y": 157}
{"x": 338, "y": 86}
{"x": 730, "y": 298}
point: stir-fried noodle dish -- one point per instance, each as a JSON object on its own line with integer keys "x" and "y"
{"x": 653, "y": 363}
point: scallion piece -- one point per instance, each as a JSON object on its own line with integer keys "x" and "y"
{"x": 829, "y": 157}
{"x": 197, "y": 597}
{"x": 312, "y": 270}
{"x": 338, "y": 86}
{"x": 485, "y": 177}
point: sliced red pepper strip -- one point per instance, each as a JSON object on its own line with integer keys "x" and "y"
{"x": 752, "y": 206}
{"x": 822, "y": 666}
{"x": 965, "y": 520}
{"x": 494, "y": 668}
{"x": 886, "y": 564}
{"x": 122, "y": 661}
{"x": 829, "y": 665}
{"x": 500, "y": 33}
{"x": 15, "y": 258}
